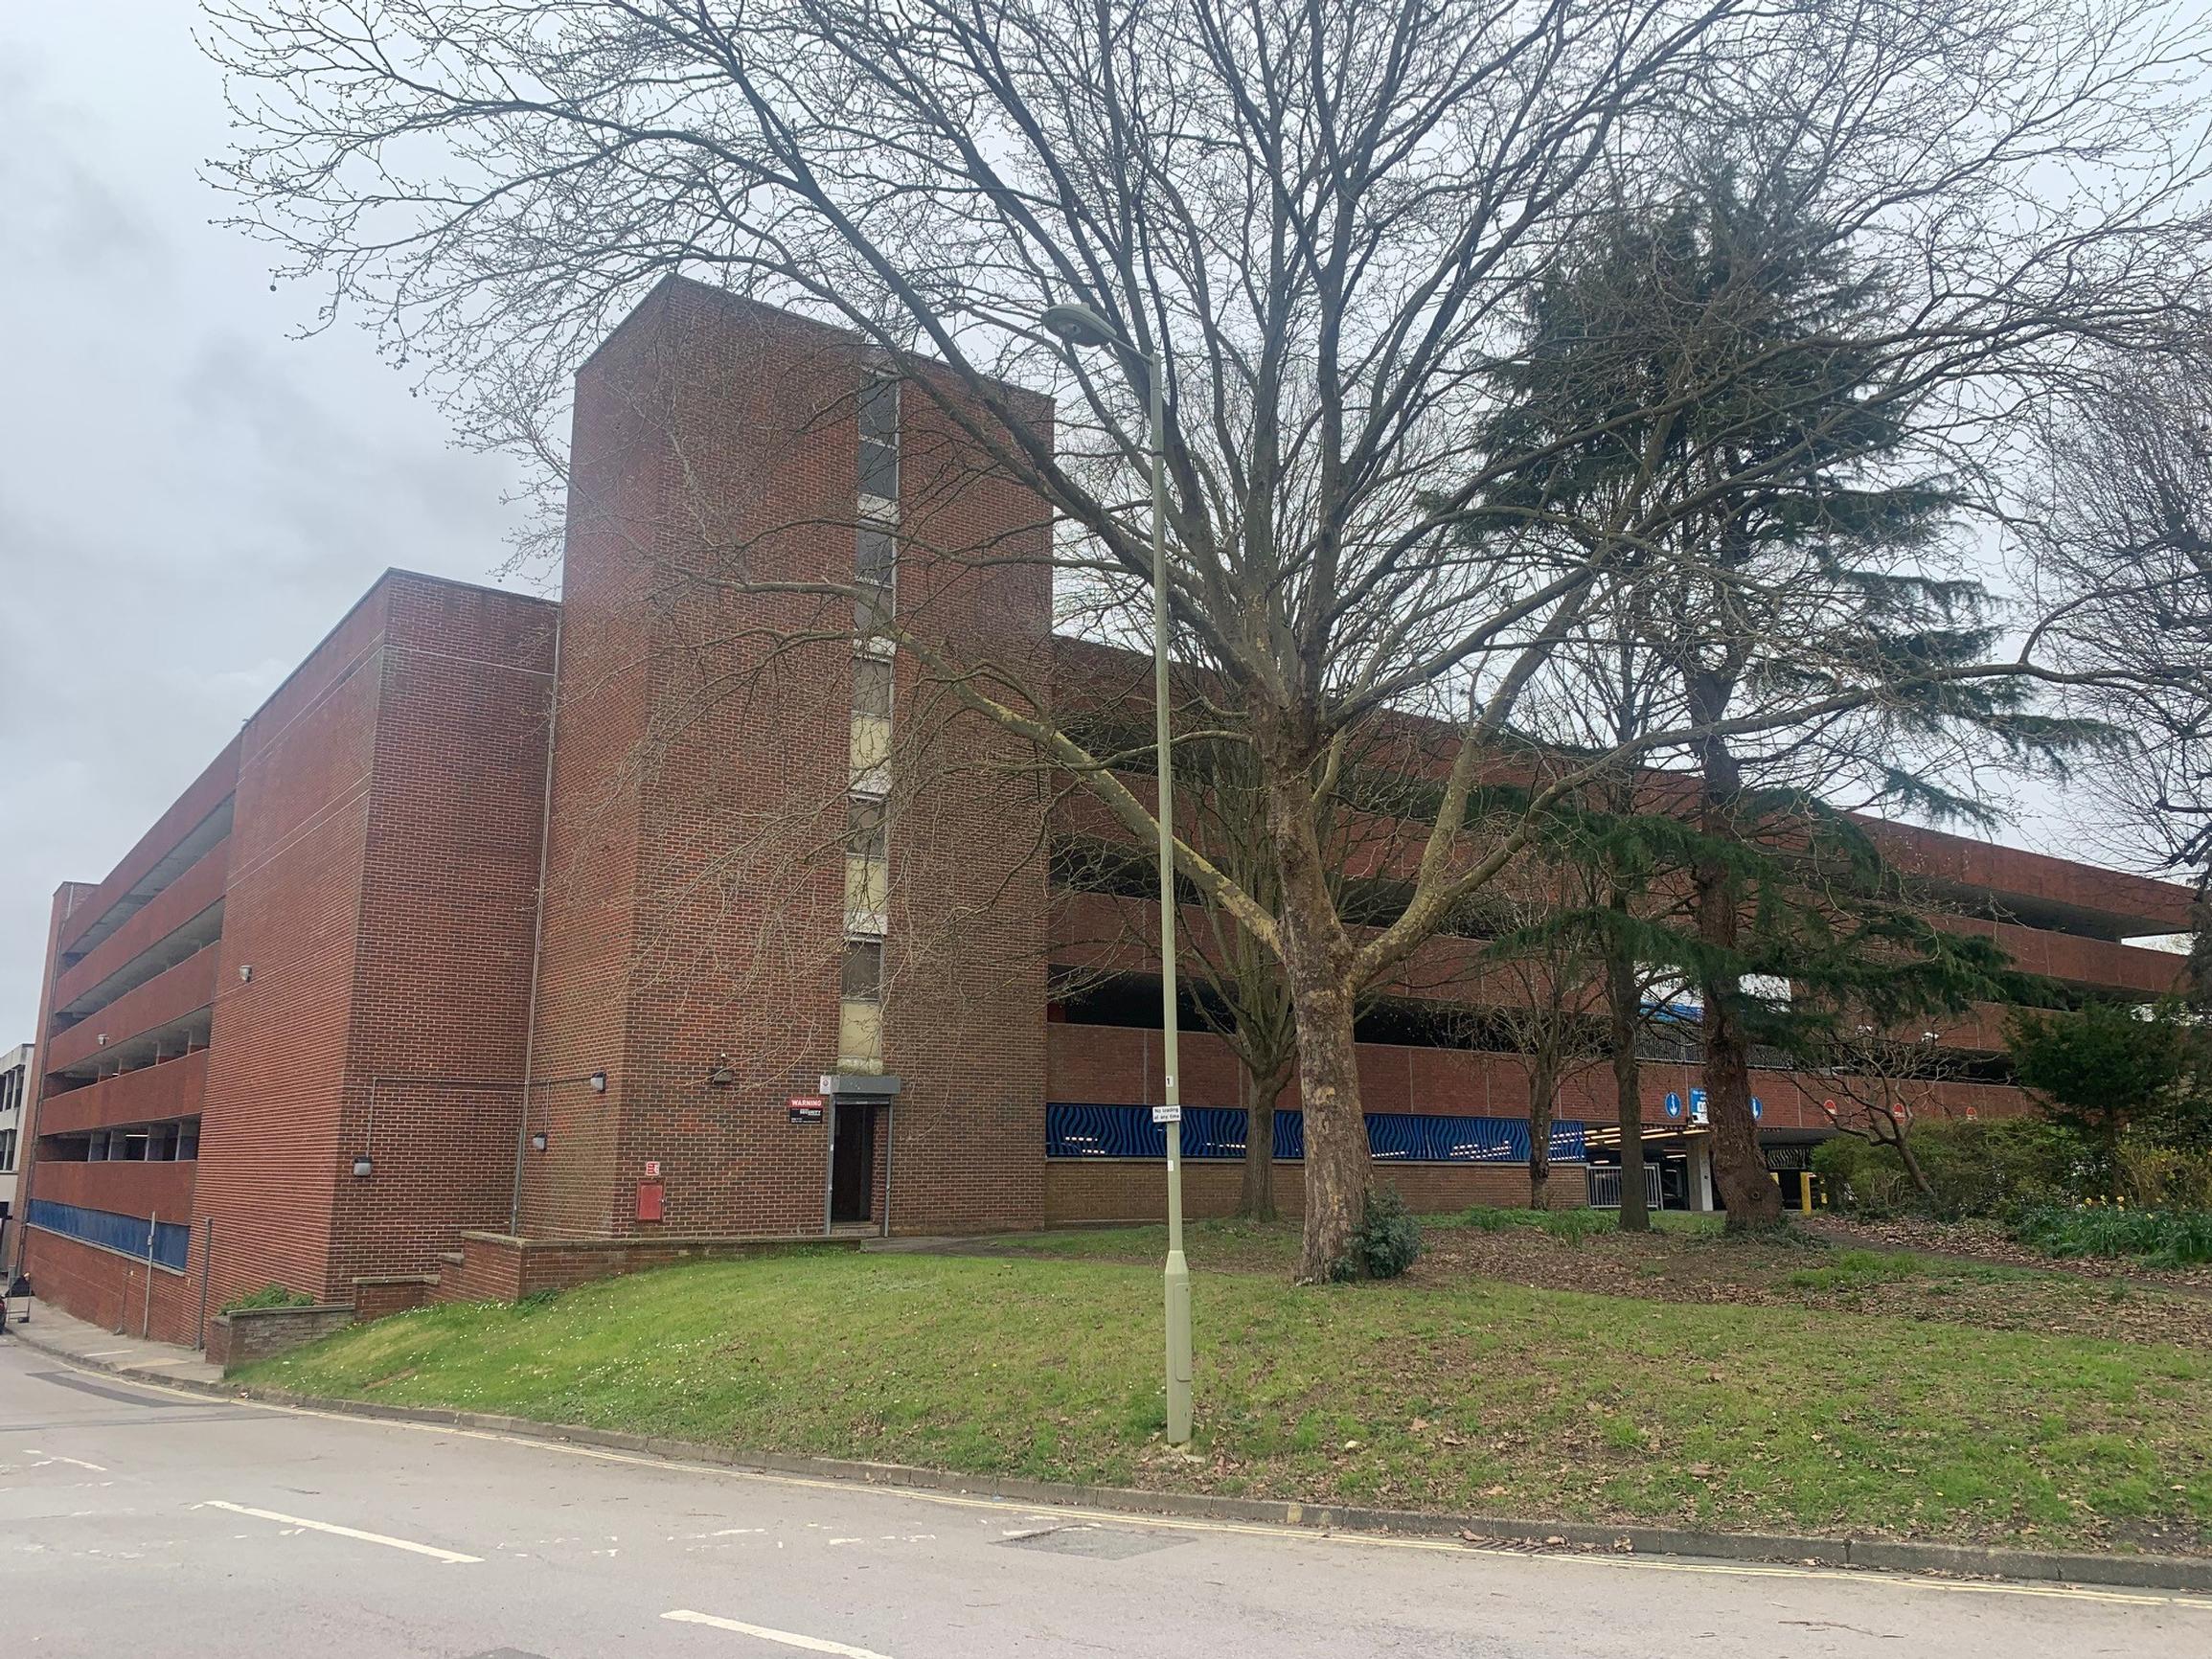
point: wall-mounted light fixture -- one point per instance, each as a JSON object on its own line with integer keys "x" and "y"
{"x": 598, "y": 1080}
{"x": 364, "y": 1166}
{"x": 722, "y": 1074}
{"x": 245, "y": 971}
{"x": 537, "y": 1141}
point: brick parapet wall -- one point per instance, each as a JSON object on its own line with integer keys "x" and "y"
{"x": 171, "y": 1088}
{"x": 179, "y": 903}
{"x": 237, "y": 1339}
{"x": 497, "y": 1267}
{"x": 1120, "y": 1065}
{"x": 90, "y": 902}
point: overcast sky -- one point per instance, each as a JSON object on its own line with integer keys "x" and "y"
{"x": 188, "y": 497}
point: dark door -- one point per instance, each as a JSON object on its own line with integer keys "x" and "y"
{"x": 852, "y": 1164}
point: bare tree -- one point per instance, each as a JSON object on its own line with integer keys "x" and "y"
{"x": 2121, "y": 547}
{"x": 1555, "y": 1008}
{"x": 1890, "y": 1084}
{"x": 1327, "y": 224}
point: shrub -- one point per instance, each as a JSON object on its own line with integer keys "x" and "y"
{"x": 2108, "y": 1067}
{"x": 1386, "y": 1242}
{"x": 1863, "y": 1178}
{"x": 2157, "y": 1237}
{"x": 1974, "y": 1168}
{"x": 2158, "y": 1175}
{"x": 267, "y": 1296}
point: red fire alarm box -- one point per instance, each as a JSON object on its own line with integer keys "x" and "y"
{"x": 648, "y": 1201}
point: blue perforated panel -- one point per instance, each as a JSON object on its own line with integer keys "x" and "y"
{"x": 1096, "y": 1131}
{"x": 127, "y": 1233}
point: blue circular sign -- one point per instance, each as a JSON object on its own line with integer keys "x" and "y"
{"x": 1758, "y": 1111}
{"x": 1674, "y": 1105}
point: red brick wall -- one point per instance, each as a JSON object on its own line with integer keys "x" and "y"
{"x": 740, "y": 901}
{"x": 108, "y": 1289}
{"x": 381, "y": 1297}
{"x": 592, "y": 840}
{"x": 964, "y": 1012}
{"x": 440, "y": 1001}
{"x": 277, "y": 1063}
{"x": 695, "y": 904}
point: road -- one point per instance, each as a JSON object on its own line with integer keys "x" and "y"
{"x": 141, "y": 1521}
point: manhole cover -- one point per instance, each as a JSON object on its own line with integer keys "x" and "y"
{"x": 1100, "y": 1543}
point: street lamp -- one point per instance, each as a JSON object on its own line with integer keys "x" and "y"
{"x": 1080, "y": 326}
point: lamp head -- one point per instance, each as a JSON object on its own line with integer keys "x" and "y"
{"x": 1081, "y": 326}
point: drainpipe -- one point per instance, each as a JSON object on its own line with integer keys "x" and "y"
{"x": 538, "y": 927}
{"x": 146, "y": 1315}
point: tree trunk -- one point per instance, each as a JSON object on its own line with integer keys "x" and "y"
{"x": 1256, "y": 1200}
{"x": 1544, "y": 1087}
{"x": 2197, "y": 978}
{"x": 1739, "y": 1168}
{"x": 1622, "y": 1010}
{"x": 1317, "y": 967}
{"x": 1919, "y": 1175}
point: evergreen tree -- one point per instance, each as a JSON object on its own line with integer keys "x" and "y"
{"x": 2107, "y": 1067}
{"x": 1791, "y": 546}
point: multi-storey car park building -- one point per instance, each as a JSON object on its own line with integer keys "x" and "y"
{"x": 514, "y": 943}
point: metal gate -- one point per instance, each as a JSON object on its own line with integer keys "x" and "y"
{"x": 1605, "y": 1186}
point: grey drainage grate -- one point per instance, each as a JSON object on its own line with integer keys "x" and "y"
{"x": 1099, "y": 1543}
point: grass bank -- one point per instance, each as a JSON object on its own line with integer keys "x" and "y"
{"x": 1467, "y": 1394}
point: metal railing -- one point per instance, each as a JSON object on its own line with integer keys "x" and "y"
{"x": 1605, "y": 1186}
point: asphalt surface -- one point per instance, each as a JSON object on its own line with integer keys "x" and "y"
{"x": 141, "y": 1521}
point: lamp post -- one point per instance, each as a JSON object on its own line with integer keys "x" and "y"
{"x": 1081, "y": 326}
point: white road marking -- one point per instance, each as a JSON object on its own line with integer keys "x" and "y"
{"x": 788, "y": 1638}
{"x": 32, "y": 1451}
{"x": 452, "y": 1557}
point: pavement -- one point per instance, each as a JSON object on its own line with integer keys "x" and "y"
{"x": 140, "y": 1517}
{"x": 57, "y": 1333}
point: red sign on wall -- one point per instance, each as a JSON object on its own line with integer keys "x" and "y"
{"x": 806, "y": 1108}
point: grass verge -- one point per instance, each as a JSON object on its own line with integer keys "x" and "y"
{"x": 1474, "y": 1395}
